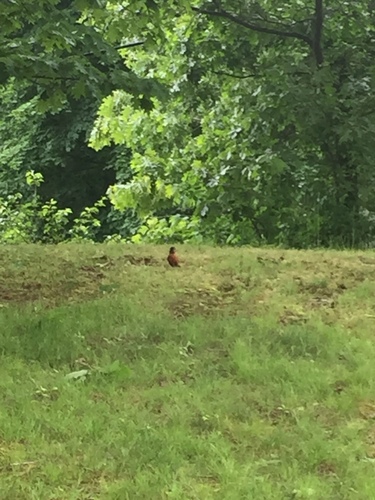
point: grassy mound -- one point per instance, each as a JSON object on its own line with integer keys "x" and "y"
{"x": 244, "y": 374}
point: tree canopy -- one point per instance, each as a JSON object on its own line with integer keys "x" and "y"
{"x": 246, "y": 121}
{"x": 68, "y": 48}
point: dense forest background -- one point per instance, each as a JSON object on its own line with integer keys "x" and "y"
{"x": 226, "y": 121}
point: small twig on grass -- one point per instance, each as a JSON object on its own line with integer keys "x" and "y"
{"x": 20, "y": 464}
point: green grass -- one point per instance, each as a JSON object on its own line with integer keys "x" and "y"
{"x": 244, "y": 374}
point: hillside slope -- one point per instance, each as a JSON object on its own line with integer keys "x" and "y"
{"x": 244, "y": 374}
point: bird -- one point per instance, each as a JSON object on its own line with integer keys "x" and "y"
{"x": 173, "y": 258}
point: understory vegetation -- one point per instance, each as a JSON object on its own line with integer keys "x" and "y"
{"x": 242, "y": 374}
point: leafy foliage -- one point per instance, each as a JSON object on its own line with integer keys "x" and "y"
{"x": 56, "y": 45}
{"x": 269, "y": 126}
{"x": 27, "y": 219}
{"x": 266, "y": 135}
{"x": 55, "y": 144}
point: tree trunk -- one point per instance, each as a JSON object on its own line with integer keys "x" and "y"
{"x": 345, "y": 217}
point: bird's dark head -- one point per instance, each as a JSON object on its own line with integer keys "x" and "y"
{"x": 172, "y": 250}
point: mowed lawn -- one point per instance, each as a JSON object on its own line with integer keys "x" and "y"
{"x": 244, "y": 374}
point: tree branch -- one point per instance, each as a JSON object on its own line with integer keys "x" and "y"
{"x": 129, "y": 45}
{"x": 281, "y": 22}
{"x": 255, "y": 27}
{"x": 254, "y": 75}
{"x": 57, "y": 77}
{"x": 234, "y": 75}
{"x": 317, "y": 44}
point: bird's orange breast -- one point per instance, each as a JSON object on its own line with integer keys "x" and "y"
{"x": 172, "y": 259}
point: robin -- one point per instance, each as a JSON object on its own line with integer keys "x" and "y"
{"x": 173, "y": 258}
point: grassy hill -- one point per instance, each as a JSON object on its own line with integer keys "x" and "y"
{"x": 244, "y": 374}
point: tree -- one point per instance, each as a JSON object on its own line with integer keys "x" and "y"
{"x": 54, "y": 144}
{"x": 270, "y": 123}
{"x": 57, "y": 46}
